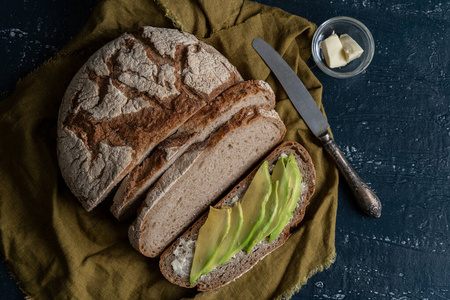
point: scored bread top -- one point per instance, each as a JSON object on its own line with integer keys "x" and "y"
{"x": 129, "y": 96}
{"x": 131, "y": 191}
{"x": 182, "y": 251}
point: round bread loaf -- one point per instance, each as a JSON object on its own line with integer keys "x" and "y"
{"x": 129, "y": 96}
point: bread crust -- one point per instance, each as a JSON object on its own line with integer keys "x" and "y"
{"x": 129, "y": 96}
{"x": 243, "y": 262}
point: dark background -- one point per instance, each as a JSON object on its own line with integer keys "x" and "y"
{"x": 392, "y": 122}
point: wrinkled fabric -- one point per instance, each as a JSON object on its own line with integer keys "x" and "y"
{"x": 56, "y": 249}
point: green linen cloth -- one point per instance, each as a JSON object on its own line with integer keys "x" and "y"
{"x": 57, "y": 250}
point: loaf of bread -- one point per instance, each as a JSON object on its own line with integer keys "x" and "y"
{"x": 172, "y": 118}
{"x": 128, "y": 97}
{"x": 181, "y": 253}
{"x": 132, "y": 190}
{"x": 201, "y": 175}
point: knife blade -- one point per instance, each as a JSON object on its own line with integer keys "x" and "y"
{"x": 313, "y": 117}
{"x": 295, "y": 89}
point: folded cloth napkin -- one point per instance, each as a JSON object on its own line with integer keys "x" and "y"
{"x": 56, "y": 249}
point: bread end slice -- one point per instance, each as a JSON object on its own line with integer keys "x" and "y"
{"x": 180, "y": 253}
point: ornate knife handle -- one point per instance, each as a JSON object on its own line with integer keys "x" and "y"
{"x": 365, "y": 197}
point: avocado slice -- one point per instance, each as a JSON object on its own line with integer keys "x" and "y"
{"x": 296, "y": 177}
{"x": 279, "y": 174}
{"x": 210, "y": 236}
{"x": 226, "y": 248}
{"x": 269, "y": 217}
{"x": 253, "y": 207}
{"x": 295, "y": 185}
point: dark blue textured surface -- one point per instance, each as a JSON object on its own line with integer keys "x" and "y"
{"x": 392, "y": 122}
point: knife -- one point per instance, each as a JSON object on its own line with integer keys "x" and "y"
{"x": 313, "y": 117}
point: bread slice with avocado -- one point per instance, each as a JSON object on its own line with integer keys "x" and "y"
{"x": 176, "y": 262}
{"x": 198, "y": 178}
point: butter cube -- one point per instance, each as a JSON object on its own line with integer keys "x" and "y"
{"x": 351, "y": 48}
{"x": 333, "y": 51}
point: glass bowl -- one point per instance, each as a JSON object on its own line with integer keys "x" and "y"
{"x": 356, "y": 30}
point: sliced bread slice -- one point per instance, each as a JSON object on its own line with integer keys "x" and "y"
{"x": 175, "y": 263}
{"x": 132, "y": 190}
{"x": 201, "y": 175}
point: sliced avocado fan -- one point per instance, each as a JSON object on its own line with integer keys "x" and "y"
{"x": 265, "y": 210}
